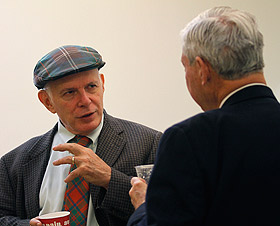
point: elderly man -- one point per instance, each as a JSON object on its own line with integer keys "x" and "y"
{"x": 85, "y": 163}
{"x": 220, "y": 167}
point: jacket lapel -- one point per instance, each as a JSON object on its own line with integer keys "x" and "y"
{"x": 110, "y": 145}
{"x": 110, "y": 141}
{"x": 33, "y": 171}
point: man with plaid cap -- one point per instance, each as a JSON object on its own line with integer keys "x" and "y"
{"x": 88, "y": 153}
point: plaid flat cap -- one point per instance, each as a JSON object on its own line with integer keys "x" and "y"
{"x": 65, "y": 60}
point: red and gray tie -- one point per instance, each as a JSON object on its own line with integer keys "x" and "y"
{"x": 76, "y": 196}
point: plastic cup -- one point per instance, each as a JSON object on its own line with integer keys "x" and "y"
{"x": 144, "y": 171}
{"x": 55, "y": 219}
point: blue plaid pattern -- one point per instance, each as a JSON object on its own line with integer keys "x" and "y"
{"x": 65, "y": 60}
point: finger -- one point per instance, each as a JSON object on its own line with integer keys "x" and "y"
{"x": 133, "y": 180}
{"x": 73, "y": 148}
{"x": 71, "y": 176}
{"x": 136, "y": 180}
{"x": 64, "y": 160}
{"x": 35, "y": 222}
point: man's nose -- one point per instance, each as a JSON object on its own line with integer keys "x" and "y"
{"x": 84, "y": 99}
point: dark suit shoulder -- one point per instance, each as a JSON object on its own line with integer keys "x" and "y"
{"x": 198, "y": 122}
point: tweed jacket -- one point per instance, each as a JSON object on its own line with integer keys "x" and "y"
{"x": 219, "y": 168}
{"x": 121, "y": 144}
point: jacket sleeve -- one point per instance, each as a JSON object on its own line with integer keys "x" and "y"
{"x": 116, "y": 200}
{"x": 8, "y": 214}
{"x": 139, "y": 217}
{"x": 175, "y": 191}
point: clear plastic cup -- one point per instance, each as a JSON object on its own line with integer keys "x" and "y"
{"x": 144, "y": 171}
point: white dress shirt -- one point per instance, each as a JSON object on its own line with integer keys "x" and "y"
{"x": 53, "y": 187}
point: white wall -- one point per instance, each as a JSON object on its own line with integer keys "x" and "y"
{"x": 139, "y": 40}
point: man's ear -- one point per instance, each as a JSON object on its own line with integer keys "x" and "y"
{"x": 204, "y": 69}
{"x": 46, "y": 100}
{"x": 102, "y": 80}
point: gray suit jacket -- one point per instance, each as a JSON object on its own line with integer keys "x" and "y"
{"x": 121, "y": 144}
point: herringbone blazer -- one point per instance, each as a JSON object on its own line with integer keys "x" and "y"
{"x": 121, "y": 144}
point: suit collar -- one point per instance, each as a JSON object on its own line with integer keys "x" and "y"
{"x": 42, "y": 144}
{"x": 251, "y": 92}
{"x": 235, "y": 91}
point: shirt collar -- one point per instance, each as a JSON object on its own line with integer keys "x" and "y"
{"x": 235, "y": 91}
{"x": 65, "y": 135}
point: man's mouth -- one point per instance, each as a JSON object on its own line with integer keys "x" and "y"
{"x": 87, "y": 115}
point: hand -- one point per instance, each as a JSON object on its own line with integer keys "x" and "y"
{"x": 138, "y": 191}
{"x": 35, "y": 222}
{"x": 89, "y": 166}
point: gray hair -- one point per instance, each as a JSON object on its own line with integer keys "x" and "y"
{"x": 228, "y": 39}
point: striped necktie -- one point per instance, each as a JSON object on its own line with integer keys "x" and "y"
{"x": 76, "y": 196}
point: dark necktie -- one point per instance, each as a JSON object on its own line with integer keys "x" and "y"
{"x": 76, "y": 196}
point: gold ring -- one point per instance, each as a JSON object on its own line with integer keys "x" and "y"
{"x": 73, "y": 160}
